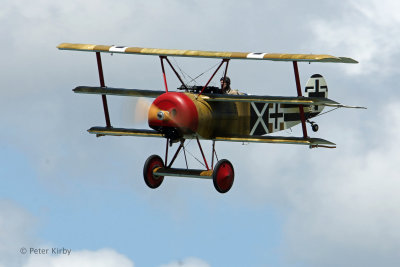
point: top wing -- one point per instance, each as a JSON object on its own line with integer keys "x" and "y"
{"x": 204, "y": 54}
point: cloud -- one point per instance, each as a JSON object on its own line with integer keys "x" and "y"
{"x": 368, "y": 31}
{"x": 17, "y": 228}
{"x": 342, "y": 206}
{"x": 188, "y": 262}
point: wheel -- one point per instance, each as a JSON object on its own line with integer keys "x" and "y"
{"x": 315, "y": 127}
{"x": 152, "y": 162}
{"x": 223, "y": 176}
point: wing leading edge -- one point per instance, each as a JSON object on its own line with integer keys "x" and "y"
{"x": 205, "y": 54}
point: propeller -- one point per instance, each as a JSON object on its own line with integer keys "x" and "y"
{"x": 141, "y": 110}
{"x": 135, "y": 110}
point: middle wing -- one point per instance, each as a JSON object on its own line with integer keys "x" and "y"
{"x": 215, "y": 97}
{"x": 117, "y": 91}
{"x": 276, "y": 99}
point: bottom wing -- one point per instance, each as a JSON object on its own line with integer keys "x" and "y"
{"x": 312, "y": 142}
{"x": 101, "y": 131}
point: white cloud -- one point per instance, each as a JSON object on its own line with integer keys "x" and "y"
{"x": 342, "y": 205}
{"x": 17, "y": 229}
{"x": 188, "y": 262}
{"x": 83, "y": 258}
{"x": 368, "y": 31}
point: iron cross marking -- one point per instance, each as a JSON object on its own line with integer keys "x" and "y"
{"x": 317, "y": 92}
{"x": 276, "y": 115}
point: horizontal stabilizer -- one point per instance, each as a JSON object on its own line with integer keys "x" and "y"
{"x": 117, "y": 91}
{"x": 346, "y": 106}
{"x": 205, "y": 54}
{"x": 313, "y": 142}
{"x": 100, "y": 131}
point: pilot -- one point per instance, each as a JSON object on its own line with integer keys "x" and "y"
{"x": 226, "y": 87}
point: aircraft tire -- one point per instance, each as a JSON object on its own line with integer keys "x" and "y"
{"x": 152, "y": 162}
{"x": 223, "y": 176}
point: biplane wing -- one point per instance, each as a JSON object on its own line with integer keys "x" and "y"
{"x": 306, "y": 101}
{"x": 214, "y": 97}
{"x": 101, "y": 131}
{"x": 117, "y": 91}
{"x": 205, "y": 54}
{"x": 313, "y": 142}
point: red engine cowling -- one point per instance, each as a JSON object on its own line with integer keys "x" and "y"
{"x": 173, "y": 114}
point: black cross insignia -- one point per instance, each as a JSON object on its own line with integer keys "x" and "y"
{"x": 276, "y": 115}
{"x": 317, "y": 92}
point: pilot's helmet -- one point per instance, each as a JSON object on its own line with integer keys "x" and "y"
{"x": 227, "y": 80}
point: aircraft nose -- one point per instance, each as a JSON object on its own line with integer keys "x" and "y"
{"x": 173, "y": 110}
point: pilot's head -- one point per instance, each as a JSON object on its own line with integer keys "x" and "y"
{"x": 225, "y": 85}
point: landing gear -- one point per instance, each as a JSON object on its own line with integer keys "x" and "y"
{"x": 155, "y": 169}
{"x": 152, "y": 162}
{"x": 314, "y": 126}
{"x": 223, "y": 176}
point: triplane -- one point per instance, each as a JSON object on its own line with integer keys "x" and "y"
{"x": 202, "y": 113}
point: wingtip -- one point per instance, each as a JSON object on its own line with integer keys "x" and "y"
{"x": 348, "y": 60}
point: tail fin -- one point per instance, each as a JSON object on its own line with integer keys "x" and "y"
{"x": 316, "y": 87}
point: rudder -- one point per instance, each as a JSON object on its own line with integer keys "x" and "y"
{"x": 316, "y": 87}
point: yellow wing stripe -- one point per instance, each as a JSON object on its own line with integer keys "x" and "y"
{"x": 205, "y": 54}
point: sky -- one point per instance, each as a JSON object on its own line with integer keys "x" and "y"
{"x": 62, "y": 188}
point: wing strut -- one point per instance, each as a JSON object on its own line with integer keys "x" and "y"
{"x": 301, "y": 109}
{"x": 102, "y": 84}
{"x": 163, "y": 71}
{"x": 212, "y": 76}
{"x": 172, "y": 67}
